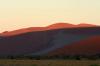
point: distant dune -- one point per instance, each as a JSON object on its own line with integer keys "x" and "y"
{"x": 50, "y": 27}
{"x": 65, "y": 41}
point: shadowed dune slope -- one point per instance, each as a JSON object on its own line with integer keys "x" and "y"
{"x": 88, "y": 46}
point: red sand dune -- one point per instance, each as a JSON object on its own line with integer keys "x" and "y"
{"x": 87, "y": 46}
{"x": 20, "y": 31}
{"x": 50, "y": 27}
{"x": 60, "y": 25}
{"x": 85, "y": 25}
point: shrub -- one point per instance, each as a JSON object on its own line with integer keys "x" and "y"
{"x": 34, "y": 64}
{"x": 94, "y": 65}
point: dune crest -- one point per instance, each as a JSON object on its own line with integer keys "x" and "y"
{"x": 50, "y": 27}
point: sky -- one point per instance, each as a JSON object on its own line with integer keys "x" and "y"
{"x": 16, "y": 14}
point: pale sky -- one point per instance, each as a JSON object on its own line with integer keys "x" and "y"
{"x": 15, "y": 14}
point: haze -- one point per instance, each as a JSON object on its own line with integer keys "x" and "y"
{"x": 16, "y": 14}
